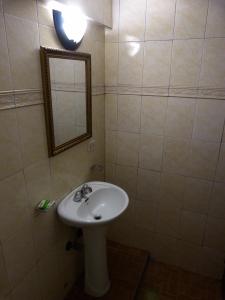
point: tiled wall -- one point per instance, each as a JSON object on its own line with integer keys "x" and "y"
{"x": 165, "y": 112}
{"x": 33, "y": 262}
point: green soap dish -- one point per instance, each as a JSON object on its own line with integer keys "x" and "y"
{"x": 44, "y": 205}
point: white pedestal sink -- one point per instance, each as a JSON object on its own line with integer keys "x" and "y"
{"x": 104, "y": 204}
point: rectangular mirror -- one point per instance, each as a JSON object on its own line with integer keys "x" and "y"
{"x": 67, "y": 93}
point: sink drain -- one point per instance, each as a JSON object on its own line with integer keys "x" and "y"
{"x": 97, "y": 217}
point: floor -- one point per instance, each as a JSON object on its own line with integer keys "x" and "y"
{"x": 163, "y": 282}
{"x": 134, "y": 277}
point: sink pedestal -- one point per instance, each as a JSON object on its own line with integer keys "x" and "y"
{"x": 96, "y": 271}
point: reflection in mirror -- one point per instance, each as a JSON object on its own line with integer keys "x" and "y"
{"x": 68, "y": 91}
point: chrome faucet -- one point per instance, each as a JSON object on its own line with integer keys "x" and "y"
{"x": 82, "y": 193}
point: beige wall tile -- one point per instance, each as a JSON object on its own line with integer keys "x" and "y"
{"x": 25, "y": 9}
{"x": 213, "y": 70}
{"x": 157, "y": 56}
{"x": 129, "y": 109}
{"x": 32, "y": 134}
{"x": 165, "y": 249}
{"x": 192, "y": 227}
{"x": 44, "y": 239}
{"x": 148, "y": 187}
{"x": 38, "y": 183}
{"x": 111, "y": 146}
{"x": 23, "y": 33}
{"x": 153, "y": 114}
{"x": 220, "y": 170}
{"x": 4, "y": 281}
{"x": 176, "y": 155}
{"x": 211, "y": 263}
{"x": 5, "y": 76}
{"x": 168, "y": 221}
{"x": 138, "y": 238}
{"x": 171, "y": 191}
{"x": 127, "y": 149}
{"x": 180, "y": 117}
{"x": 110, "y": 172}
{"x": 151, "y": 152}
{"x": 132, "y": 20}
{"x": 122, "y": 234}
{"x": 107, "y": 16}
{"x": 98, "y": 114}
{"x": 60, "y": 185}
{"x": 126, "y": 177}
{"x": 196, "y": 195}
{"x": 98, "y": 64}
{"x": 48, "y": 268}
{"x": 19, "y": 254}
{"x": 190, "y": 18}
{"x": 130, "y": 63}
{"x": 112, "y": 35}
{"x": 146, "y": 215}
{"x": 209, "y": 120}
{"x": 186, "y": 62}
{"x": 216, "y": 22}
{"x": 45, "y": 16}
{"x": 48, "y": 37}
{"x": 159, "y": 19}
{"x": 111, "y": 63}
{"x": 188, "y": 255}
{"x": 30, "y": 285}
{"x": 111, "y": 111}
{"x": 70, "y": 173}
{"x": 93, "y": 11}
{"x": 217, "y": 201}
{"x": 10, "y": 158}
{"x": 95, "y": 32}
{"x": 214, "y": 235}
{"x": 14, "y": 207}
{"x": 223, "y": 137}
{"x": 203, "y": 159}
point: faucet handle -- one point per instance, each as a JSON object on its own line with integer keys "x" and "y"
{"x": 86, "y": 189}
{"x": 78, "y": 196}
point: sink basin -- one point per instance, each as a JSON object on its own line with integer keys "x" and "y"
{"x": 104, "y": 204}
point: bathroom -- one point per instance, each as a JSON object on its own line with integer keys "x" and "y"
{"x": 155, "y": 131}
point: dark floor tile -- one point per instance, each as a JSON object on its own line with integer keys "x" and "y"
{"x": 175, "y": 283}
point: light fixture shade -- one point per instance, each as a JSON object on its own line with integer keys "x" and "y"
{"x": 70, "y": 28}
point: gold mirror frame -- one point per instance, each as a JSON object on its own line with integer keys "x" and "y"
{"x": 46, "y": 54}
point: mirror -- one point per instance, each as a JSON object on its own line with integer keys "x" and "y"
{"x": 67, "y": 93}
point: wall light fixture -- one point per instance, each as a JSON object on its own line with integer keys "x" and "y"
{"x": 70, "y": 24}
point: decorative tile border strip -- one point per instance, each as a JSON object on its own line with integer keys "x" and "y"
{"x": 155, "y": 91}
{"x": 6, "y": 101}
{"x": 183, "y": 92}
{"x": 211, "y": 93}
{"x": 28, "y": 97}
{"x": 133, "y": 90}
{"x": 69, "y": 87}
{"x": 98, "y": 90}
{"x": 20, "y": 98}
{"x": 111, "y": 89}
